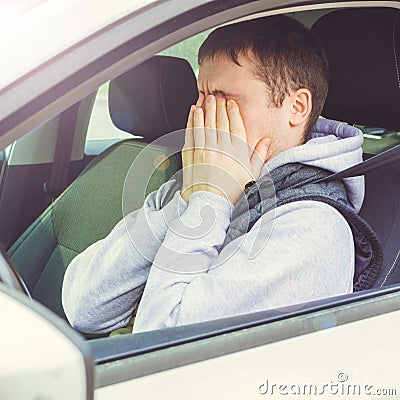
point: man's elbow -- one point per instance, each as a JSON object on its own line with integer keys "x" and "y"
{"x": 77, "y": 311}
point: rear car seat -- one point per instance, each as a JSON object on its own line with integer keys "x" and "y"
{"x": 363, "y": 48}
{"x": 150, "y": 100}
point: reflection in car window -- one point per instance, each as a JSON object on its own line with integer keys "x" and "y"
{"x": 377, "y": 140}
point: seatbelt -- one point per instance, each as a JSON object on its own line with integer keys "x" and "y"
{"x": 62, "y": 154}
{"x": 381, "y": 160}
{"x": 378, "y": 161}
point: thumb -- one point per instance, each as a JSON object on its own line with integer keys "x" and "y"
{"x": 260, "y": 155}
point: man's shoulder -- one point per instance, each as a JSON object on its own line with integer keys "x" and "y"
{"x": 312, "y": 216}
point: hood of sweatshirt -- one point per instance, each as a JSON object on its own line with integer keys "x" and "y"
{"x": 333, "y": 146}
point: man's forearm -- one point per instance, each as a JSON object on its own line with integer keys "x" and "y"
{"x": 190, "y": 247}
{"x": 103, "y": 284}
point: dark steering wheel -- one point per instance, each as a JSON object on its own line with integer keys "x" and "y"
{"x": 9, "y": 275}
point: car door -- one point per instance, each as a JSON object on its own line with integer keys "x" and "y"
{"x": 342, "y": 348}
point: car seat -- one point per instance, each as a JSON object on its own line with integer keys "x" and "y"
{"x": 363, "y": 49}
{"x": 150, "y": 100}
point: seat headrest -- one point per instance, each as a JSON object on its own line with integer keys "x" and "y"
{"x": 153, "y": 98}
{"x": 363, "y": 48}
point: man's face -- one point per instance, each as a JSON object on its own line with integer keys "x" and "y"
{"x": 260, "y": 117}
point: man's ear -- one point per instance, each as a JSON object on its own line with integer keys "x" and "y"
{"x": 300, "y": 107}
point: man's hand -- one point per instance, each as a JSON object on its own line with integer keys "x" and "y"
{"x": 216, "y": 156}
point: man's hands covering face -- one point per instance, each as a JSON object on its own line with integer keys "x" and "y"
{"x": 216, "y": 157}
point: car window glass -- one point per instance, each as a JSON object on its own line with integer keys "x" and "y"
{"x": 377, "y": 140}
{"x": 101, "y": 126}
{"x": 2, "y": 158}
{"x": 188, "y": 49}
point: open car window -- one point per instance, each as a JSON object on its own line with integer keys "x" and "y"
{"x": 101, "y": 128}
{"x": 377, "y": 140}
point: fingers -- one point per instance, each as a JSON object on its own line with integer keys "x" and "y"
{"x": 189, "y": 140}
{"x": 236, "y": 124}
{"x": 200, "y": 100}
{"x": 198, "y": 128}
{"x": 223, "y": 135}
{"x": 189, "y": 134}
{"x": 260, "y": 156}
{"x": 199, "y": 136}
{"x": 210, "y": 122}
{"x": 222, "y": 116}
{"x": 198, "y": 123}
{"x": 187, "y": 151}
{"x": 187, "y": 157}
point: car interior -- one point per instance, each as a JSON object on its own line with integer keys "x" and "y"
{"x": 42, "y": 235}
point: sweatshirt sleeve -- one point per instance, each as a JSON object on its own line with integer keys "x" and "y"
{"x": 103, "y": 284}
{"x": 300, "y": 252}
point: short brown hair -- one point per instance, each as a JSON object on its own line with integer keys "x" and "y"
{"x": 287, "y": 57}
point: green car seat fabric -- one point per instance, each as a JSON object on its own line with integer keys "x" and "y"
{"x": 92, "y": 205}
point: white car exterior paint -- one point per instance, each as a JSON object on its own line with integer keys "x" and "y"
{"x": 37, "y": 361}
{"x": 38, "y": 34}
{"x": 358, "y": 350}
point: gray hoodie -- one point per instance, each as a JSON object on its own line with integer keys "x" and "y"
{"x": 170, "y": 254}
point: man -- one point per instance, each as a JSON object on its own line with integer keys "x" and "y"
{"x": 201, "y": 254}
